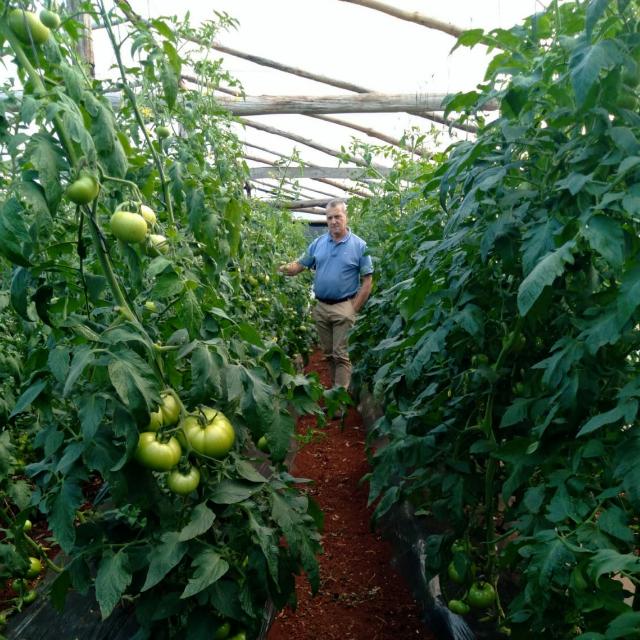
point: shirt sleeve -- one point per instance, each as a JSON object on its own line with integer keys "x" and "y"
{"x": 366, "y": 264}
{"x": 307, "y": 259}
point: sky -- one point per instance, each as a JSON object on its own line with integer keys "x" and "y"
{"x": 351, "y": 43}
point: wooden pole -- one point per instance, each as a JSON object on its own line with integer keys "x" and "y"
{"x": 356, "y": 191}
{"x": 131, "y": 15}
{"x": 85, "y": 44}
{"x": 297, "y": 204}
{"x": 410, "y": 16}
{"x": 305, "y": 141}
{"x": 373, "y": 134}
{"x": 360, "y": 103}
{"x": 332, "y": 82}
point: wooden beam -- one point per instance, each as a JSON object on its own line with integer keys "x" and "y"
{"x": 303, "y": 192}
{"x": 372, "y": 133}
{"x": 345, "y": 173}
{"x": 320, "y": 212}
{"x": 305, "y": 141}
{"x": 361, "y": 103}
{"x": 331, "y": 82}
{"x": 410, "y": 16}
{"x": 266, "y": 62}
{"x": 131, "y": 15}
{"x": 331, "y": 183}
{"x": 297, "y": 204}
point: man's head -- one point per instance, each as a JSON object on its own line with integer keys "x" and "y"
{"x": 337, "y": 218}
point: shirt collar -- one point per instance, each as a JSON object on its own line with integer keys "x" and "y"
{"x": 344, "y": 239}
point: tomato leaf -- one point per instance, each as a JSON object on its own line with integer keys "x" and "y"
{"x": 202, "y": 518}
{"x": 292, "y": 524}
{"x": 232, "y": 491}
{"x": 133, "y": 380}
{"x": 15, "y": 240}
{"x": 543, "y": 275}
{"x": 81, "y": 358}
{"x": 112, "y": 580}
{"x": 586, "y": 63}
{"x": 209, "y": 567}
{"x": 164, "y": 557}
{"x": 205, "y": 374}
{"x": 611, "y": 561}
{"x": 66, "y": 498}
{"x": 28, "y": 396}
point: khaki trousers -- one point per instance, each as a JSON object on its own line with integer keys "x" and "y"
{"x": 333, "y": 322}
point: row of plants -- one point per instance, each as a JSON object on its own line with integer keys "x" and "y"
{"x": 502, "y": 339}
{"x": 148, "y": 351}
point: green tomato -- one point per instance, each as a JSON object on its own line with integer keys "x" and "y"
{"x": 263, "y": 444}
{"x": 50, "y": 19}
{"x": 183, "y": 483}
{"x": 19, "y": 585}
{"x": 459, "y": 606}
{"x": 148, "y": 214}
{"x": 3, "y": 619}
{"x": 454, "y": 574}
{"x": 163, "y": 132}
{"x": 27, "y": 526}
{"x": 155, "y": 420}
{"x": 170, "y": 407}
{"x": 158, "y": 244}
{"x": 128, "y": 226}
{"x": 27, "y": 26}
{"x": 156, "y": 455}
{"x": 222, "y": 631}
{"x": 150, "y": 305}
{"x": 481, "y": 595}
{"x": 83, "y": 190}
{"x": 460, "y": 546}
{"x": 209, "y": 432}
{"x": 240, "y": 636}
{"x": 35, "y": 568}
{"x": 30, "y": 596}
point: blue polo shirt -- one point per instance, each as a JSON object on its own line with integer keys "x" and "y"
{"x": 338, "y": 265}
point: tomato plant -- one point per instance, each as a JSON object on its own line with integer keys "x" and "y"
{"x": 90, "y": 362}
{"x": 502, "y": 337}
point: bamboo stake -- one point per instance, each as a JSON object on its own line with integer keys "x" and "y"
{"x": 410, "y": 16}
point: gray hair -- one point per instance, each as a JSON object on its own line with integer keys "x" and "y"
{"x": 337, "y": 203}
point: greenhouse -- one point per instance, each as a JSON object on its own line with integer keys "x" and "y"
{"x": 318, "y": 320}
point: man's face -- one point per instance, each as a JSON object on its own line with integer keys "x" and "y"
{"x": 337, "y": 222}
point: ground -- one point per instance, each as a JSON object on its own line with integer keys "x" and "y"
{"x": 361, "y": 596}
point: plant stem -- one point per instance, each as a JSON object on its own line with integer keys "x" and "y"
{"x": 132, "y": 98}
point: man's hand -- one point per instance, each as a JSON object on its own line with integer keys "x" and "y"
{"x": 291, "y": 268}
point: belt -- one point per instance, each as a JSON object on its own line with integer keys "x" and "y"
{"x": 329, "y": 301}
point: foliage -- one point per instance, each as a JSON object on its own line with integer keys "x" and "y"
{"x": 503, "y": 338}
{"x": 104, "y": 326}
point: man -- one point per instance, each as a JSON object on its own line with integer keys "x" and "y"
{"x": 342, "y": 284}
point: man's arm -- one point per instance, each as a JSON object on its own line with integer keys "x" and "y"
{"x": 291, "y": 268}
{"x": 363, "y": 293}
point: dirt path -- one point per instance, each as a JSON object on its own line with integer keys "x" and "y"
{"x": 361, "y": 596}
